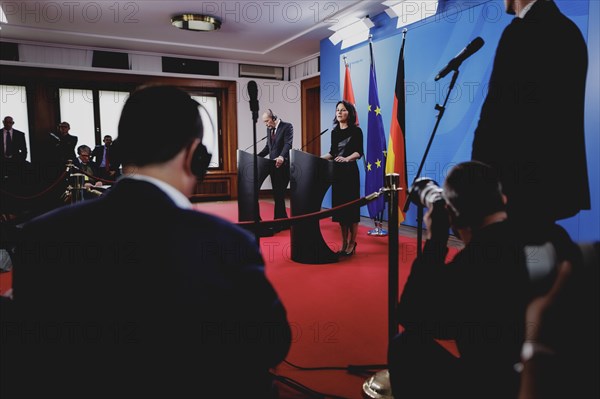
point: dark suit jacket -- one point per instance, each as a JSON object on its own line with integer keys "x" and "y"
{"x": 64, "y": 148}
{"x": 19, "y": 145}
{"x": 531, "y": 127}
{"x": 154, "y": 302}
{"x": 98, "y": 155}
{"x": 282, "y": 145}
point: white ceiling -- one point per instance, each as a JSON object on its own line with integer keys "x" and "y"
{"x": 264, "y": 32}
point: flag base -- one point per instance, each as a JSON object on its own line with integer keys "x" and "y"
{"x": 378, "y": 231}
{"x": 378, "y": 386}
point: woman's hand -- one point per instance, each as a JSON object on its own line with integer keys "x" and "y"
{"x": 341, "y": 159}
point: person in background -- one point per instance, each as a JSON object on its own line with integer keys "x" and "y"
{"x": 531, "y": 127}
{"x": 87, "y": 166}
{"x": 280, "y": 136}
{"x": 64, "y": 144}
{"x": 106, "y": 160}
{"x": 14, "y": 146}
{"x": 347, "y": 148}
{"x": 157, "y": 300}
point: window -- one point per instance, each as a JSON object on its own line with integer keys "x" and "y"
{"x": 14, "y": 103}
{"x": 111, "y": 105}
{"x": 209, "y": 111}
{"x": 77, "y": 108}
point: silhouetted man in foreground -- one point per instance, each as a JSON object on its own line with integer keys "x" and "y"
{"x": 157, "y": 300}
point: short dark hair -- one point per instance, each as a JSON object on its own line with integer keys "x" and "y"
{"x": 143, "y": 138}
{"x": 474, "y": 191}
{"x": 351, "y": 113}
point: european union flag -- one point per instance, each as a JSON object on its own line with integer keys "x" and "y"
{"x": 375, "y": 147}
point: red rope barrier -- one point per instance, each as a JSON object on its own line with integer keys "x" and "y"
{"x": 94, "y": 177}
{"x": 44, "y": 192}
{"x": 314, "y": 215}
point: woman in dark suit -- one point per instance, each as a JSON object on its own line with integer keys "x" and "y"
{"x": 347, "y": 148}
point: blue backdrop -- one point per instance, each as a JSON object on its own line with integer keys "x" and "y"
{"x": 430, "y": 44}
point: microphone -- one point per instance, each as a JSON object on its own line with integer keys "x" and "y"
{"x": 54, "y": 136}
{"x": 245, "y": 149}
{"x": 320, "y": 134}
{"x": 253, "y": 93}
{"x": 455, "y": 62}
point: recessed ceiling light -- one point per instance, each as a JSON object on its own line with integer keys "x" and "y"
{"x": 197, "y": 22}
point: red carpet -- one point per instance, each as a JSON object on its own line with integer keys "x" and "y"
{"x": 338, "y": 312}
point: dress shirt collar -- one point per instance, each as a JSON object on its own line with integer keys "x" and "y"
{"x": 175, "y": 195}
{"x": 526, "y": 9}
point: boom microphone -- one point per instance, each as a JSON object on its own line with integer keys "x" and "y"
{"x": 455, "y": 62}
{"x": 253, "y": 93}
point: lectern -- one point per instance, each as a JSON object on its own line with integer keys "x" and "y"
{"x": 246, "y": 182}
{"x": 310, "y": 178}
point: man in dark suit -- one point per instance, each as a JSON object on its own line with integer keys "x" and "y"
{"x": 531, "y": 127}
{"x": 105, "y": 159}
{"x": 157, "y": 300}
{"x": 14, "y": 147}
{"x": 477, "y": 299}
{"x": 64, "y": 144}
{"x": 279, "y": 143}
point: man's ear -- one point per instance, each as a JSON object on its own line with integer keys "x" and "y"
{"x": 189, "y": 155}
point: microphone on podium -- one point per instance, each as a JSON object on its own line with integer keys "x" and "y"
{"x": 465, "y": 53}
{"x": 320, "y": 134}
{"x": 247, "y": 148}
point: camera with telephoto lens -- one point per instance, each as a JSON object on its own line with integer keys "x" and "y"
{"x": 425, "y": 192}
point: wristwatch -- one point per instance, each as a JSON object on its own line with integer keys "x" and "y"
{"x": 530, "y": 349}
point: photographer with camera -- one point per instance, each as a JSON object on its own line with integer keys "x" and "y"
{"x": 477, "y": 299}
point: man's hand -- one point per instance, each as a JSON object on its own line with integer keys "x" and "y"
{"x": 279, "y": 161}
{"x": 437, "y": 222}
{"x": 546, "y": 315}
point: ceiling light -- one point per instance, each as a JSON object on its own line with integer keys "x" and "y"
{"x": 409, "y": 12}
{"x": 196, "y": 22}
{"x": 351, "y": 33}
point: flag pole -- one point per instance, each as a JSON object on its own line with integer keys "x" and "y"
{"x": 376, "y": 149}
{"x": 377, "y": 219}
{"x": 379, "y": 385}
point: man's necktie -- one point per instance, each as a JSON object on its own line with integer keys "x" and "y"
{"x": 272, "y": 135}
{"x": 106, "y": 160}
{"x": 8, "y": 149}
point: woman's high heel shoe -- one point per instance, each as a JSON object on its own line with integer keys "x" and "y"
{"x": 342, "y": 251}
{"x": 352, "y": 252}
